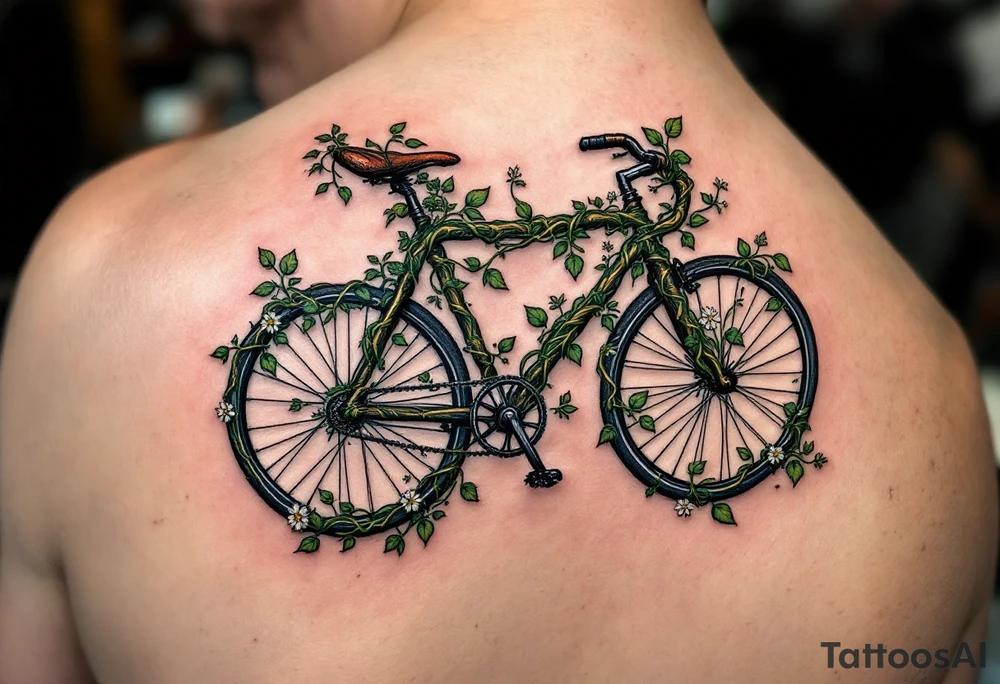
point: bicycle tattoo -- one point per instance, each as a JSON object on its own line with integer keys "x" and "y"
{"x": 707, "y": 377}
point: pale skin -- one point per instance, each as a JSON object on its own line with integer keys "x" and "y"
{"x": 133, "y": 549}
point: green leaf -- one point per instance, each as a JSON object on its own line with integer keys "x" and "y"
{"x": 537, "y": 316}
{"x": 425, "y": 528}
{"x": 324, "y": 138}
{"x": 269, "y": 363}
{"x": 790, "y": 409}
{"x": 687, "y": 239}
{"x": 680, "y": 157}
{"x": 795, "y": 470}
{"x": 469, "y": 491}
{"x": 473, "y": 263}
{"x": 308, "y": 544}
{"x": 560, "y": 248}
{"x": 697, "y": 220}
{"x": 266, "y": 257}
{"x": 307, "y": 323}
{"x": 399, "y": 340}
{"x": 322, "y": 187}
{"x": 696, "y": 467}
{"x": 311, "y": 154}
{"x": 574, "y": 264}
{"x": 734, "y": 336}
{"x": 448, "y": 185}
{"x": 608, "y": 433}
{"x": 707, "y": 199}
{"x": 424, "y": 377}
{"x": 808, "y": 447}
{"x": 608, "y": 322}
{"x": 742, "y": 247}
{"x": 473, "y": 214}
{"x": 575, "y": 354}
{"x": 744, "y": 453}
{"x": 295, "y": 405}
{"x": 477, "y": 198}
{"x": 280, "y": 338}
{"x": 413, "y": 143}
{"x": 494, "y": 279}
{"x": 438, "y": 514}
{"x": 674, "y": 127}
{"x": 315, "y": 520}
{"x": 522, "y": 209}
{"x": 638, "y": 400}
{"x": 349, "y": 543}
{"x": 346, "y": 507}
{"x": 394, "y": 542}
{"x": 397, "y": 128}
{"x": 288, "y": 263}
{"x": 221, "y": 353}
{"x": 345, "y": 194}
{"x": 647, "y": 423}
{"x": 637, "y": 270}
{"x": 653, "y": 136}
{"x": 781, "y": 261}
{"x": 722, "y": 513}
{"x": 579, "y": 206}
{"x": 650, "y": 491}
{"x": 774, "y": 304}
{"x": 506, "y": 345}
{"x": 761, "y": 240}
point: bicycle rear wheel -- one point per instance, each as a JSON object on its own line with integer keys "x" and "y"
{"x": 293, "y": 448}
{"x": 676, "y": 419}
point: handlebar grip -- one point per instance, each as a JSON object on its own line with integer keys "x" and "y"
{"x": 602, "y": 142}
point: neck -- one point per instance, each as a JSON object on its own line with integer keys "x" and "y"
{"x": 546, "y": 34}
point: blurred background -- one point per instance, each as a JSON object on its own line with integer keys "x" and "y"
{"x": 900, "y": 98}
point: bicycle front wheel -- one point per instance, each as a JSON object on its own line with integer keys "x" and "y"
{"x": 666, "y": 418}
{"x": 291, "y": 440}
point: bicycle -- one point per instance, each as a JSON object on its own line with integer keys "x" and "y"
{"x": 390, "y": 387}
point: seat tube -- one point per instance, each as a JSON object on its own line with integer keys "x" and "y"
{"x": 475, "y": 344}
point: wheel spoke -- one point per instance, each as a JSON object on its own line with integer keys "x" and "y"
{"x": 283, "y": 382}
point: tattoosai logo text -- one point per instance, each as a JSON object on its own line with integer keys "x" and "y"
{"x": 879, "y": 656}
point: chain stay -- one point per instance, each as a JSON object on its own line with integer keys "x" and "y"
{"x": 399, "y": 444}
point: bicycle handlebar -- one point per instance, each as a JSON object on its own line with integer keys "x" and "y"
{"x": 624, "y": 142}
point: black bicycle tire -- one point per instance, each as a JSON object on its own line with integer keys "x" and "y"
{"x": 636, "y": 314}
{"x": 246, "y": 360}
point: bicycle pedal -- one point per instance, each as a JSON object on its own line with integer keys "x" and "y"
{"x": 543, "y": 479}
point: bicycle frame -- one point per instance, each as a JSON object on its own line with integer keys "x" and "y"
{"x": 643, "y": 243}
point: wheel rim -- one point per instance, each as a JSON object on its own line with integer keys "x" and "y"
{"x": 775, "y": 366}
{"x": 288, "y": 455}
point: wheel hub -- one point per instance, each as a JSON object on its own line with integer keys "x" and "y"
{"x": 728, "y": 386}
{"x": 336, "y": 420}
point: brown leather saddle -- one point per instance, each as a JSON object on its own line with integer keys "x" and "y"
{"x": 379, "y": 166}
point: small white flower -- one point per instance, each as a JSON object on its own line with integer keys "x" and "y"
{"x": 411, "y": 500}
{"x": 684, "y": 508}
{"x": 298, "y": 518}
{"x": 225, "y": 411}
{"x": 709, "y": 318}
{"x": 775, "y": 455}
{"x": 270, "y": 321}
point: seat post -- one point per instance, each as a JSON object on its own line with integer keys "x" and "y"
{"x": 401, "y": 186}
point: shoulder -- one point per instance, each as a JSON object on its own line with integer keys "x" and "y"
{"x": 51, "y": 330}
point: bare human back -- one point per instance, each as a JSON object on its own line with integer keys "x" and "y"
{"x": 524, "y": 386}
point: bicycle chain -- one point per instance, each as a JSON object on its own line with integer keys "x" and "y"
{"x": 434, "y": 387}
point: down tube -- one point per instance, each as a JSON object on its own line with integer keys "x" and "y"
{"x": 571, "y": 324}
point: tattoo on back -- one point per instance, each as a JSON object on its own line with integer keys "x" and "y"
{"x": 351, "y": 409}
